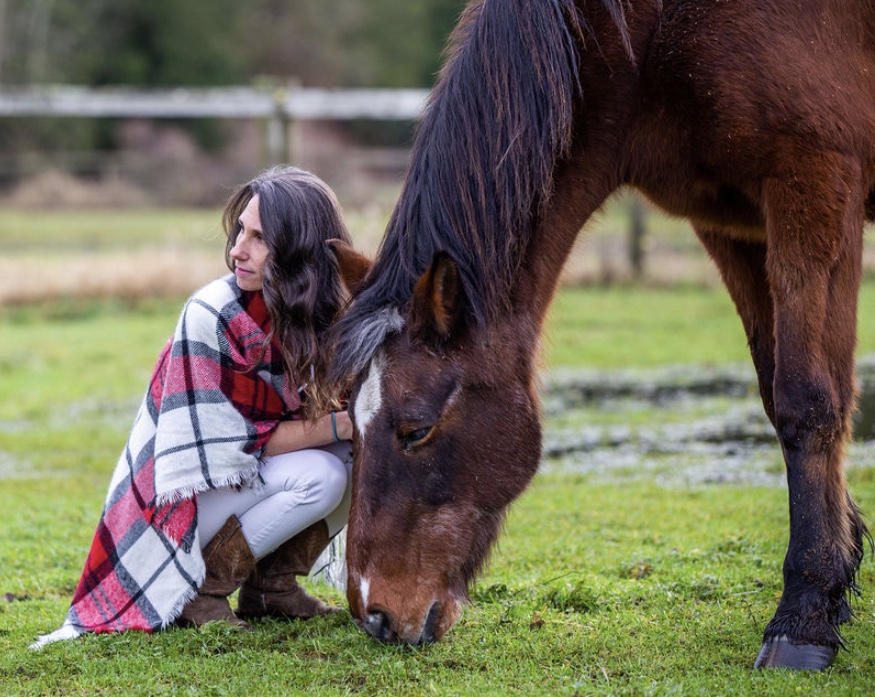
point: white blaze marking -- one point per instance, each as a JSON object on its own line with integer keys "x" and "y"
{"x": 370, "y": 397}
{"x": 364, "y": 589}
{"x": 367, "y": 406}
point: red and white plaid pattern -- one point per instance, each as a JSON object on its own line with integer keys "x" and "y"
{"x": 203, "y": 423}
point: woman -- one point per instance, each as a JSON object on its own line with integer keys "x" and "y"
{"x": 235, "y": 474}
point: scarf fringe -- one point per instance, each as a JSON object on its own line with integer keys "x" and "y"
{"x": 181, "y": 603}
{"x": 244, "y": 478}
{"x": 65, "y": 633}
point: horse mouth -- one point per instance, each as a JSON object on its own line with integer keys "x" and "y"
{"x": 379, "y": 625}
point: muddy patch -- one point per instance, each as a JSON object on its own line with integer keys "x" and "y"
{"x": 684, "y": 425}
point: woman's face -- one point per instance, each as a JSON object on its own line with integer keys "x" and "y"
{"x": 249, "y": 251}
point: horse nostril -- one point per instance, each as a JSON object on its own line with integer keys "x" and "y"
{"x": 430, "y": 622}
{"x": 377, "y": 625}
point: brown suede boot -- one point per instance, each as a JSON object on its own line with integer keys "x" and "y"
{"x": 229, "y": 561}
{"x": 272, "y": 591}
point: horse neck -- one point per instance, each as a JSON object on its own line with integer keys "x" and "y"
{"x": 580, "y": 190}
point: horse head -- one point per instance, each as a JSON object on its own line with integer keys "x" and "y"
{"x": 447, "y": 434}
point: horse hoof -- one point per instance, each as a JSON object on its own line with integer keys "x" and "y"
{"x": 779, "y": 652}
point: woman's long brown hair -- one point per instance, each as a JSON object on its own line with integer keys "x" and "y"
{"x": 302, "y": 289}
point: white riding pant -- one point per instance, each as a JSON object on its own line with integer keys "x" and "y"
{"x": 294, "y": 491}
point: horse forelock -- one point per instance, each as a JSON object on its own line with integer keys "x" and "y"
{"x": 359, "y": 335}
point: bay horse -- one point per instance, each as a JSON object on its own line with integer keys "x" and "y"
{"x": 753, "y": 120}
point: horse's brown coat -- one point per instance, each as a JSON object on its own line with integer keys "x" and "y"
{"x": 756, "y": 121}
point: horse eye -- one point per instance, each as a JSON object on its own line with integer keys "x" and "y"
{"x": 411, "y": 438}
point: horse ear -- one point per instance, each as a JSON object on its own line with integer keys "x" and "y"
{"x": 353, "y": 265}
{"x": 435, "y": 305}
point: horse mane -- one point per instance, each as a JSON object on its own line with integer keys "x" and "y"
{"x": 511, "y": 68}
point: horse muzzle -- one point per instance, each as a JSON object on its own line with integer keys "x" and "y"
{"x": 381, "y": 627}
{"x": 399, "y": 618}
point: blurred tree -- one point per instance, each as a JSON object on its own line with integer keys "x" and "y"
{"x": 385, "y": 43}
{"x": 166, "y": 42}
{"x": 155, "y": 43}
{"x": 307, "y": 41}
{"x": 361, "y": 43}
{"x": 134, "y": 42}
{"x": 405, "y": 41}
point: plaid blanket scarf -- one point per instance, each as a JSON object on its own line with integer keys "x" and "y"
{"x": 215, "y": 397}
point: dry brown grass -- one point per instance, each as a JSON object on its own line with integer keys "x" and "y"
{"x": 89, "y": 264}
{"x": 52, "y": 254}
{"x": 146, "y": 272}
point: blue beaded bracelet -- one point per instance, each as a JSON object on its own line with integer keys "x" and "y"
{"x": 334, "y": 427}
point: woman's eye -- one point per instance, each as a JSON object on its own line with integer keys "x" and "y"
{"x": 411, "y": 438}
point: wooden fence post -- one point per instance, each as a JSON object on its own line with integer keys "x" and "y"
{"x": 637, "y": 233}
{"x": 278, "y": 143}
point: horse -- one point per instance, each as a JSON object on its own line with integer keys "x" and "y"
{"x": 753, "y": 120}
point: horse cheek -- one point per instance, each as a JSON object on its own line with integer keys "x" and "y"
{"x": 511, "y": 452}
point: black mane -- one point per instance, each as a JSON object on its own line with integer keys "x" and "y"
{"x": 482, "y": 162}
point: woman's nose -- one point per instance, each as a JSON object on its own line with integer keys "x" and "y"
{"x": 238, "y": 251}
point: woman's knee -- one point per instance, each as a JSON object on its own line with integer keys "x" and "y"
{"x": 308, "y": 473}
{"x": 335, "y": 476}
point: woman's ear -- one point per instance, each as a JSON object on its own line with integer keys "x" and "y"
{"x": 353, "y": 265}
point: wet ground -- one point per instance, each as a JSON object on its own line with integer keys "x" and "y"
{"x": 679, "y": 426}
{"x": 686, "y": 425}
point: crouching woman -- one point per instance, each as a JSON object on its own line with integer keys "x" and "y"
{"x": 236, "y": 471}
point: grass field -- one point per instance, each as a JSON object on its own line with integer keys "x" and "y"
{"x": 596, "y": 588}
{"x": 52, "y": 255}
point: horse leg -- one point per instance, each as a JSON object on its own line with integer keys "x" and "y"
{"x": 826, "y": 532}
{"x": 742, "y": 265}
{"x": 814, "y": 229}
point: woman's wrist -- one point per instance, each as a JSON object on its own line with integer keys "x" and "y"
{"x": 334, "y": 426}
{"x": 341, "y": 426}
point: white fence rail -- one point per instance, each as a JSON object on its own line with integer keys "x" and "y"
{"x": 223, "y": 103}
{"x": 278, "y": 107}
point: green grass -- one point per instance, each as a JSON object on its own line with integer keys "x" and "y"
{"x": 595, "y": 588}
{"x": 634, "y": 326}
{"x": 106, "y": 229}
{"x": 611, "y": 328}
{"x": 106, "y": 355}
